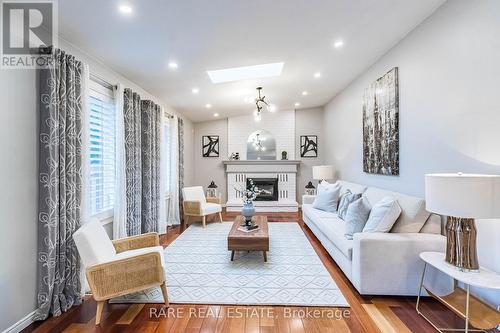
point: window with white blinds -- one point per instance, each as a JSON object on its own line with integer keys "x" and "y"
{"x": 102, "y": 149}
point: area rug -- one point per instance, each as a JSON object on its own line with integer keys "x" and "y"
{"x": 199, "y": 271}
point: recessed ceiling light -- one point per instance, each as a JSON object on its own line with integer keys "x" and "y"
{"x": 125, "y": 9}
{"x": 317, "y": 75}
{"x": 216, "y": 114}
{"x": 338, "y": 43}
{"x": 246, "y": 72}
{"x": 297, "y": 104}
{"x": 208, "y": 106}
{"x": 305, "y": 93}
{"x": 173, "y": 65}
{"x": 195, "y": 90}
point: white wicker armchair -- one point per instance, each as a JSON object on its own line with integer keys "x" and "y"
{"x": 119, "y": 267}
{"x": 195, "y": 204}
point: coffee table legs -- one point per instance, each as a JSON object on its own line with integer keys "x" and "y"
{"x": 263, "y": 252}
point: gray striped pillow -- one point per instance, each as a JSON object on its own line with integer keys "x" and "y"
{"x": 347, "y": 198}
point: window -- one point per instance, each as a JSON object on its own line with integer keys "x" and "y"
{"x": 102, "y": 149}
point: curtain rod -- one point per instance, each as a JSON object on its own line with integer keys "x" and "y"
{"x": 101, "y": 81}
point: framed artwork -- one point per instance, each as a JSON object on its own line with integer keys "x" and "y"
{"x": 210, "y": 146}
{"x": 381, "y": 125}
{"x": 308, "y": 146}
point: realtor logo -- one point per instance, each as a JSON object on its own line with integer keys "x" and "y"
{"x": 28, "y": 33}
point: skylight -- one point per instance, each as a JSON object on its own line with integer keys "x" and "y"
{"x": 246, "y": 72}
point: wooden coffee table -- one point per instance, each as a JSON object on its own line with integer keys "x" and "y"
{"x": 249, "y": 241}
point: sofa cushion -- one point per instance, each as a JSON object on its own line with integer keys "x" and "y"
{"x": 356, "y": 217}
{"x": 334, "y": 229}
{"x": 413, "y": 213}
{"x": 383, "y": 216}
{"x": 327, "y": 199}
{"x": 346, "y": 199}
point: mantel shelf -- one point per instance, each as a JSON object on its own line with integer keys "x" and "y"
{"x": 261, "y": 162}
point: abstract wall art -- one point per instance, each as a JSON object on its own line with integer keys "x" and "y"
{"x": 381, "y": 125}
{"x": 308, "y": 146}
{"x": 210, "y": 145}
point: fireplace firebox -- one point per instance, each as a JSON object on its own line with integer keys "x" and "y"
{"x": 267, "y": 188}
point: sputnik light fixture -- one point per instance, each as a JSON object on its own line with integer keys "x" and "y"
{"x": 260, "y": 102}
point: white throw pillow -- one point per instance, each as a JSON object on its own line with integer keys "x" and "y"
{"x": 383, "y": 216}
{"x": 324, "y": 185}
{"x": 328, "y": 199}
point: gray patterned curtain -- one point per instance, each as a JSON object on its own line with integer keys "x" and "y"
{"x": 150, "y": 122}
{"x": 60, "y": 185}
{"x": 133, "y": 175}
{"x": 181, "y": 165}
{"x": 142, "y": 163}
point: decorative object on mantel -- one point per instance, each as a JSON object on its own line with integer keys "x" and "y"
{"x": 310, "y": 189}
{"x": 462, "y": 198}
{"x": 260, "y": 102}
{"x": 284, "y": 155}
{"x": 234, "y": 156}
{"x": 212, "y": 191}
{"x": 210, "y": 145}
{"x": 381, "y": 125}
{"x": 308, "y": 146}
{"x": 322, "y": 172}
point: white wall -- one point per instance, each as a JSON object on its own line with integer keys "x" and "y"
{"x": 449, "y": 71}
{"x": 211, "y": 168}
{"x": 280, "y": 124}
{"x": 19, "y": 186}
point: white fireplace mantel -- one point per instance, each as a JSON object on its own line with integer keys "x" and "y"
{"x": 238, "y": 171}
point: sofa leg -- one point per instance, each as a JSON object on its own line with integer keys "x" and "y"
{"x": 204, "y": 221}
{"x": 100, "y": 306}
{"x": 164, "y": 292}
{"x": 220, "y": 217}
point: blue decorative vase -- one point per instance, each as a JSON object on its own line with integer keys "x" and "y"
{"x": 248, "y": 211}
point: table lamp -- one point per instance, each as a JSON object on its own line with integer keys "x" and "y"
{"x": 322, "y": 172}
{"x": 463, "y": 198}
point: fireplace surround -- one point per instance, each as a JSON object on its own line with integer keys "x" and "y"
{"x": 281, "y": 173}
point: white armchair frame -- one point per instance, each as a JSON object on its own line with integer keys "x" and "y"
{"x": 194, "y": 203}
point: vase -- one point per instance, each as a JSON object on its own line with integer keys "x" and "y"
{"x": 248, "y": 211}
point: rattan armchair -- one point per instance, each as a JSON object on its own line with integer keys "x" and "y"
{"x": 119, "y": 267}
{"x": 195, "y": 204}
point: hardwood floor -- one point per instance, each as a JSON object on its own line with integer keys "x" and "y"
{"x": 366, "y": 314}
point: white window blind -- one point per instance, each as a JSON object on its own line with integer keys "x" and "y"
{"x": 102, "y": 148}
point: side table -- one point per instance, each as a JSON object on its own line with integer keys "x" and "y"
{"x": 475, "y": 312}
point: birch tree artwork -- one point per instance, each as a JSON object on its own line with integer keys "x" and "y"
{"x": 381, "y": 125}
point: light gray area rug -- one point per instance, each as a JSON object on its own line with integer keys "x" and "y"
{"x": 199, "y": 271}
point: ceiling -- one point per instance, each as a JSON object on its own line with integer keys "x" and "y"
{"x": 216, "y": 34}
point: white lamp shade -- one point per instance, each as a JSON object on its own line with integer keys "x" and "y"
{"x": 322, "y": 172}
{"x": 463, "y": 195}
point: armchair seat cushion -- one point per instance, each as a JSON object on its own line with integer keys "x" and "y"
{"x": 210, "y": 208}
{"x": 144, "y": 250}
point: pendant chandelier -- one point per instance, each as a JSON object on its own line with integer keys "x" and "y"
{"x": 260, "y": 103}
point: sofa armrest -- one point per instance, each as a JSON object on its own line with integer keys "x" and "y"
{"x": 308, "y": 199}
{"x": 136, "y": 242}
{"x": 125, "y": 276}
{"x": 389, "y": 263}
{"x": 192, "y": 207}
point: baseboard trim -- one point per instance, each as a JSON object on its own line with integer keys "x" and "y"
{"x": 21, "y": 324}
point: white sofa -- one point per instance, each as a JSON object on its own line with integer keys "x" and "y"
{"x": 381, "y": 263}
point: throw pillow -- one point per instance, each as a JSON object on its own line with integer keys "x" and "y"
{"x": 345, "y": 200}
{"x": 327, "y": 199}
{"x": 383, "y": 216}
{"x": 324, "y": 185}
{"x": 356, "y": 216}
